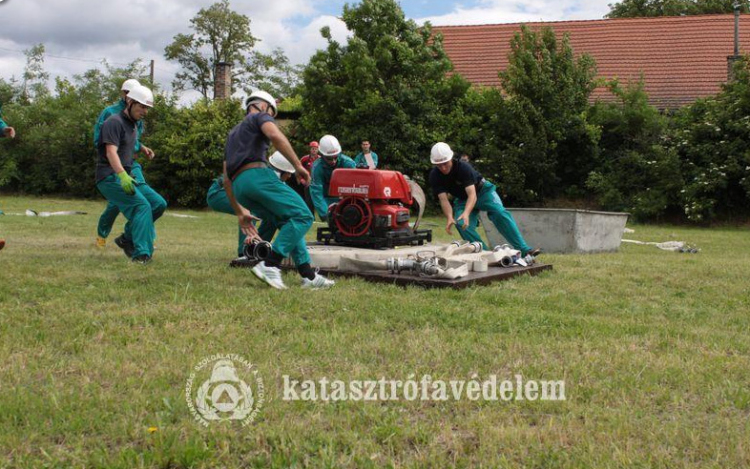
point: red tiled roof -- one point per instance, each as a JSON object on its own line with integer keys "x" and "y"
{"x": 682, "y": 58}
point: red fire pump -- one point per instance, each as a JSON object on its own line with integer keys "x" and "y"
{"x": 373, "y": 210}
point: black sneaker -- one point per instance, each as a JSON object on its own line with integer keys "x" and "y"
{"x": 142, "y": 259}
{"x": 125, "y": 244}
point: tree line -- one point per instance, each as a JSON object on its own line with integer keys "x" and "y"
{"x": 538, "y": 137}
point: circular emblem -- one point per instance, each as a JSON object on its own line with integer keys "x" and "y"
{"x": 224, "y": 387}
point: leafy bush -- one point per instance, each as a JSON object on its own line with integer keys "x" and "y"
{"x": 712, "y": 139}
{"x": 189, "y": 145}
{"x": 637, "y": 173}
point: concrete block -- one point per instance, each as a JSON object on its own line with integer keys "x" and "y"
{"x": 564, "y": 230}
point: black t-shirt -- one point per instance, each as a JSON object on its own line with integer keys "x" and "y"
{"x": 246, "y": 143}
{"x": 120, "y": 131}
{"x": 461, "y": 176}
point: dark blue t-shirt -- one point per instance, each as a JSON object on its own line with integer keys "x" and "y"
{"x": 246, "y": 143}
{"x": 461, "y": 176}
{"x": 120, "y": 131}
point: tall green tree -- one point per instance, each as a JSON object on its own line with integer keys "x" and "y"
{"x": 273, "y": 73}
{"x": 636, "y": 8}
{"x": 548, "y": 89}
{"x": 388, "y": 84}
{"x": 223, "y": 35}
{"x": 34, "y": 75}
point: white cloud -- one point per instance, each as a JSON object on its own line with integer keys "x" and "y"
{"x": 503, "y": 11}
{"x": 308, "y": 39}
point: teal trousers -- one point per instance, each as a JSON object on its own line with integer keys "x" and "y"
{"x": 489, "y": 201}
{"x": 137, "y": 210}
{"x": 157, "y": 202}
{"x": 219, "y": 202}
{"x": 274, "y": 202}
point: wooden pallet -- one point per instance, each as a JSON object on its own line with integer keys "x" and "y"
{"x": 493, "y": 274}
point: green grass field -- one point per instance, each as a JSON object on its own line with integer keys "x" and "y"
{"x": 95, "y": 352}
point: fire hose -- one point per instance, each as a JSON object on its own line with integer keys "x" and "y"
{"x": 508, "y": 261}
{"x": 257, "y": 250}
{"x": 505, "y": 261}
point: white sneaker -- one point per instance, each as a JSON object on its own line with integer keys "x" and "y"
{"x": 270, "y": 275}
{"x": 317, "y": 283}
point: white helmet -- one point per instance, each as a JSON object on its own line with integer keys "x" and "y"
{"x": 280, "y": 163}
{"x": 329, "y": 146}
{"x": 143, "y": 95}
{"x": 440, "y": 153}
{"x": 262, "y": 96}
{"x": 129, "y": 84}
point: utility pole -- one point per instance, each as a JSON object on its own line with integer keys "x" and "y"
{"x": 737, "y": 6}
{"x": 736, "y": 56}
{"x": 151, "y": 76}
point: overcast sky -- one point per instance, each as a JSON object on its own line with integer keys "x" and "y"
{"x": 79, "y": 34}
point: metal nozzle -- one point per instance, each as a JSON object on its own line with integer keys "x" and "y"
{"x": 477, "y": 246}
{"x": 257, "y": 250}
{"x": 427, "y": 268}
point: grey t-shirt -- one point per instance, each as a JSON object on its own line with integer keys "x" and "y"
{"x": 246, "y": 143}
{"x": 120, "y": 131}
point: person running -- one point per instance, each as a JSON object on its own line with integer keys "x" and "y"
{"x": 114, "y": 177}
{"x": 217, "y": 199}
{"x": 471, "y": 193}
{"x": 255, "y": 193}
{"x": 158, "y": 204}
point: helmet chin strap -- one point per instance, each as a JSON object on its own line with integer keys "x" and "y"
{"x": 267, "y": 111}
{"x": 129, "y": 109}
{"x": 255, "y": 106}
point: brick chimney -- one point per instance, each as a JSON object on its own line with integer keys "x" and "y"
{"x": 223, "y": 80}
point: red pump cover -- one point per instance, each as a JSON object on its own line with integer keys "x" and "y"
{"x": 373, "y": 184}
